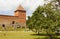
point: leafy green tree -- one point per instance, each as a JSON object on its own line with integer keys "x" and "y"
{"x": 36, "y": 20}
{"x": 54, "y": 9}
{"x": 45, "y": 17}
{"x": 53, "y": 14}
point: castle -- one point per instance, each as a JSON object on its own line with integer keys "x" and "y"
{"x": 19, "y": 18}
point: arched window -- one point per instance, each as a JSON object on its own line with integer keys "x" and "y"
{"x": 3, "y": 25}
{"x": 13, "y": 22}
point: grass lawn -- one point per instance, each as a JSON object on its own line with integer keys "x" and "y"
{"x": 21, "y": 35}
{"x": 18, "y": 35}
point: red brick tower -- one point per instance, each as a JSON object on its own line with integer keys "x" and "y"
{"x": 21, "y": 13}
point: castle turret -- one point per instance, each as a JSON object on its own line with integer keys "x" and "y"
{"x": 21, "y": 13}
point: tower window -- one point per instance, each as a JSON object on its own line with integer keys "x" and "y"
{"x": 3, "y": 25}
{"x": 13, "y": 22}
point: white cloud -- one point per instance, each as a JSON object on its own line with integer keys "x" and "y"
{"x": 31, "y": 5}
{"x": 8, "y": 6}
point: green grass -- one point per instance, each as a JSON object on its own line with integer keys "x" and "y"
{"x": 21, "y": 35}
{"x": 18, "y": 35}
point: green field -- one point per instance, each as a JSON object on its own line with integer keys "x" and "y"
{"x": 20, "y": 35}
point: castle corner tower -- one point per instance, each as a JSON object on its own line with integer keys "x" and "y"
{"x": 21, "y": 13}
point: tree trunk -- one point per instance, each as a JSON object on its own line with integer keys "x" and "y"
{"x": 49, "y": 35}
{"x": 38, "y": 33}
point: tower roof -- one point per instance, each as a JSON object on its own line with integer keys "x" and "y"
{"x": 20, "y": 8}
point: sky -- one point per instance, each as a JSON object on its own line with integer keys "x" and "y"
{"x": 7, "y": 7}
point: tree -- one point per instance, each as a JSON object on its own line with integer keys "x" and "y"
{"x": 36, "y": 20}
{"x": 45, "y": 17}
{"x": 53, "y": 13}
{"x": 54, "y": 7}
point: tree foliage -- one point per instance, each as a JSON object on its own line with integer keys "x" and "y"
{"x": 45, "y": 17}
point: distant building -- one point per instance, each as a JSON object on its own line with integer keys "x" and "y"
{"x": 19, "y": 18}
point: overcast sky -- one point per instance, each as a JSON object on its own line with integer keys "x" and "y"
{"x": 8, "y": 7}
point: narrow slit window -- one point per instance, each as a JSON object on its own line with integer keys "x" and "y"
{"x": 13, "y": 22}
